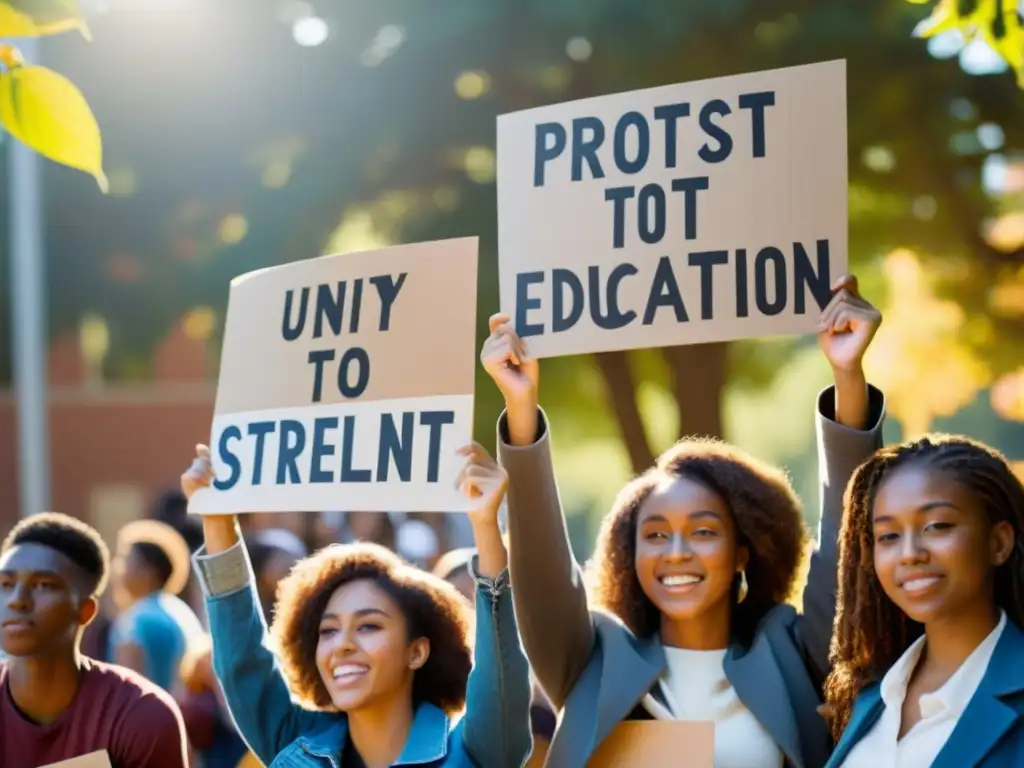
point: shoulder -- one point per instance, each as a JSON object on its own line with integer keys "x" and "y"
{"x": 611, "y": 631}
{"x": 783, "y": 619}
{"x": 134, "y": 694}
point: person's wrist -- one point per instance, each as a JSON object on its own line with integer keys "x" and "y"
{"x": 485, "y": 524}
{"x": 849, "y": 375}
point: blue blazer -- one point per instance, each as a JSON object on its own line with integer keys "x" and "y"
{"x": 990, "y": 732}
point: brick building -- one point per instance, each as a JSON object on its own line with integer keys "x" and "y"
{"x": 113, "y": 447}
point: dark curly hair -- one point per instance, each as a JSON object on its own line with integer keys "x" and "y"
{"x": 78, "y": 542}
{"x": 768, "y": 517}
{"x": 433, "y": 609}
{"x": 870, "y": 631}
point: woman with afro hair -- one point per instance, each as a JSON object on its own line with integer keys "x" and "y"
{"x": 375, "y": 651}
{"x": 687, "y": 617}
{"x": 929, "y": 648}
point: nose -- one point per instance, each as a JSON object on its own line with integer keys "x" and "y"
{"x": 678, "y": 548}
{"x": 20, "y": 600}
{"x": 912, "y": 550}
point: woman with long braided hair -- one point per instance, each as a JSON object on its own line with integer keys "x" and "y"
{"x": 928, "y": 647}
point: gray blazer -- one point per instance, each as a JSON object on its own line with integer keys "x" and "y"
{"x": 597, "y": 671}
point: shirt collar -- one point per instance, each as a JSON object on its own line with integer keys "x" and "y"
{"x": 427, "y": 742}
{"x": 956, "y": 692}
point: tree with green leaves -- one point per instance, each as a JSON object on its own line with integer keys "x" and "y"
{"x": 393, "y": 118}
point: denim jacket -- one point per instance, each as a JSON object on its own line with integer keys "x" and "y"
{"x": 493, "y": 733}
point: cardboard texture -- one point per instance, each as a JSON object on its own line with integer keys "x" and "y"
{"x": 657, "y": 744}
{"x": 99, "y": 759}
{"x": 681, "y": 214}
{"x": 346, "y": 382}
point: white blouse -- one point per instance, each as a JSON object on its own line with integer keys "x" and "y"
{"x": 696, "y": 689}
{"x": 940, "y": 710}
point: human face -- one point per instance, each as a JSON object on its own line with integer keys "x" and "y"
{"x": 686, "y": 549}
{"x": 364, "y": 655}
{"x": 41, "y": 602}
{"x": 129, "y": 579}
{"x": 935, "y": 551}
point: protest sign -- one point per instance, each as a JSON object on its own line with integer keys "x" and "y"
{"x": 707, "y": 211}
{"x": 657, "y": 744}
{"x": 99, "y": 759}
{"x": 346, "y": 382}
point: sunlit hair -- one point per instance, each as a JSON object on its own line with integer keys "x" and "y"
{"x": 78, "y": 542}
{"x": 432, "y": 608}
{"x": 162, "y": 547}
{"x": 768, "y": 519}
{"x": 871, "y": 632}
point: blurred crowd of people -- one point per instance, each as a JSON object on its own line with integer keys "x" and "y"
{"x": 153, "y": 620}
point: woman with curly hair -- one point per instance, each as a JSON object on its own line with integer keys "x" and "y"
{"x": 376, "y": 651}
{"x": 928, "y": 650}
{"x": 694, "y": 564}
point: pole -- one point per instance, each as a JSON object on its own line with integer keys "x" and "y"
{"x": 28, "y": 317}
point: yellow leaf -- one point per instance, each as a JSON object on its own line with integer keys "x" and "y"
{"x": 37, "y": 18}
{"x": 943, "y": 18}
{"x": 1003, "y": 32}
{"x": 45, "y": 111}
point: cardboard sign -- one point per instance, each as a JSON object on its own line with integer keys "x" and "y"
{"x": 93, "y": 760}
{"x": 657, "y": 744}
{"x": 346, "y": 382}
{"x": 691, "y": 213}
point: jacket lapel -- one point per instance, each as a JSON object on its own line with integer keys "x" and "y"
{"x": 867, "y": 708}
{"x": 759, "y": 684}
{"x": 632, "y": 674}
{"x": 988, "y": 717}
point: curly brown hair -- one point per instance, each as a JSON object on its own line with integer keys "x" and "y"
{"x": 870, "y": 631}
{"x": 432, "y": 608}
{"x": 768, "y": 517}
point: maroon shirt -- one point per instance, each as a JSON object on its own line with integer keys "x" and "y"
{"x": 117, "y": 710}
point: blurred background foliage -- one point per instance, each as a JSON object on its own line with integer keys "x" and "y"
{"x": 245, "y": 133}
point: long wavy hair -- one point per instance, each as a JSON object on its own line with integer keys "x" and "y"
{"x": 871, "y": 632}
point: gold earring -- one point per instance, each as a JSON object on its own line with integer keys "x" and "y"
{"x": 742, "y": 595}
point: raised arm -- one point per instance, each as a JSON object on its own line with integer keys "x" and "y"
{"x": 496, "y": 727}
{"x": 248, "y": 672}
{"x": 548, "y": 589}
{"x": 849, "y": 421}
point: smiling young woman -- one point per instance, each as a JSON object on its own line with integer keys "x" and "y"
{"x": 376, "y": 651}
{"x": 695, "y": 562}
{"x": 929, "y": 649}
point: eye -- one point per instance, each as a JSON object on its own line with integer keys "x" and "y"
{"x": 938, "y": 526}
{"x": 369, "y": 627}
{"x": 886, "y": 537}
{"x": 327, "y": 631}
{"x": 654, "y": 535}
{"x": 48, "y": 586}
{"x": 705, "y": 532}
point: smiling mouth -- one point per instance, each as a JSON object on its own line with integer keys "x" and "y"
{"x": 347, "y": 673}
{"x": 680, "y": 581}
{"x": 920, "y": 584}
{"x": 17, "y": 625}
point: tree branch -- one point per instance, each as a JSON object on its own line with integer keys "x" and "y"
{"x": 618, "y": 378}
{"x": 698, "y": 378}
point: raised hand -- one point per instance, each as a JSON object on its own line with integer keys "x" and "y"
{"x": 199, "y": 475}
{"x": 847, "y": 326}
{"x": 483, "y": 481}
{"x": 507, "y": 361}
{"x": 218, "y": 530}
